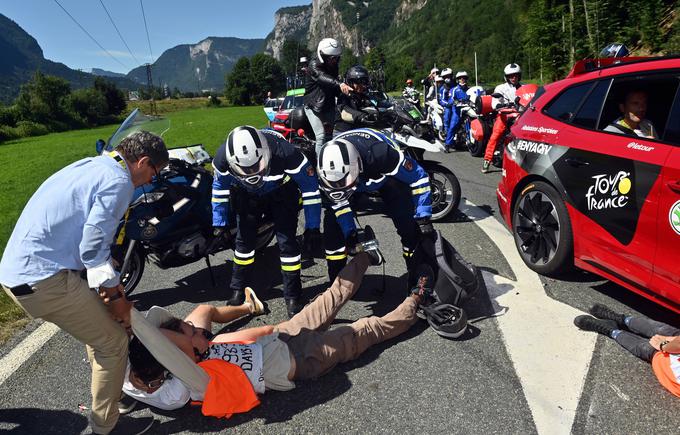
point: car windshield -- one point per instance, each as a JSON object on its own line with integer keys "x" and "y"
{"x": 291, "y": 102}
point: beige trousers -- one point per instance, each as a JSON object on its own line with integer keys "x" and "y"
{"x": 65, "y": 300}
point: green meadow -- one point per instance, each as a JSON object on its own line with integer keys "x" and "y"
{"x": 26, "y": 163}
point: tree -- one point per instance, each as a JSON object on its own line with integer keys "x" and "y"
{"x": 90, "y": 104}
{"x": 115, "y": 99}
{"x": 291, "y": 52}
{"x": 267, "y": 75}
{"x": 239, "y": 84}
{"x": 44, "y": 100}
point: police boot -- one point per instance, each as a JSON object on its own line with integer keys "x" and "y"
{"x": 294, "y": 306}
{"x": 238, "y": 297}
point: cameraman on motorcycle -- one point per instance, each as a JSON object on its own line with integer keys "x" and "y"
{"x": 365, "y": 160}
{"x": 446, "y": 99}
{"x": 256, "y": 171}
{"x": 513, "y": 76}
{"x": 348, "y": 110}
{"x": 411, "y": 94}
{"x": 457, "y": 96}
{"x": 321, "y": 88}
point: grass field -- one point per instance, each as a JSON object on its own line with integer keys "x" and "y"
{"x": 26, "y": 163}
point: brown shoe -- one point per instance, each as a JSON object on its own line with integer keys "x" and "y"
{"x": 256, "y": 306}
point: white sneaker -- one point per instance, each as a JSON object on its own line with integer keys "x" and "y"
{"x": 257, "y": 305}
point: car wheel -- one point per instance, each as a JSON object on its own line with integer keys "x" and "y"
{"x": 542, "y": 230}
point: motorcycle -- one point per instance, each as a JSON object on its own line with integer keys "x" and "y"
{"x": 435, "y": 118}
{"x": 482, "y": 127}
{"x": 463, "y": 139}
{"x": 169, "y": 221}
{"x": 401, "y": 121}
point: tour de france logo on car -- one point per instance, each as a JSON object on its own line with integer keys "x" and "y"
{"x": 674, "y": 217}
{"x": 609, "y": 191}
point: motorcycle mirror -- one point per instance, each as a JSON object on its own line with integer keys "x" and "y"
{"x": 99, "y": 146}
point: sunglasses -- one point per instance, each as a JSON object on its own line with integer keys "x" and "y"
{"x": 156, "y": 383}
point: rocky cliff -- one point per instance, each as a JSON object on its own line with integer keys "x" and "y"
{"x": 289, "y": 23}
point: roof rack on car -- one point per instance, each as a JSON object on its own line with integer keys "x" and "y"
{"x": 589, "y": 65}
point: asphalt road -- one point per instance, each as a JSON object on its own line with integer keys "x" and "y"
{"x": 418, "y": 383}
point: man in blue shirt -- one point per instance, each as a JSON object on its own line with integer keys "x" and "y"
{"x": 68, "y": 226}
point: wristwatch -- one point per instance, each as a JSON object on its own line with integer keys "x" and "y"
{"x": 662, "y": 344}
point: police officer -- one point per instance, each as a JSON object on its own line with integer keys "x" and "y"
{"x": 257, "y": 171}
{"x": 366, "y": 160}
{"x": 456, "y": 96}
{"x": 445, "y": 97}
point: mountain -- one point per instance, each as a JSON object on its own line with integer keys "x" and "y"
{"x": 105, "y": 73}
{"x": 198, "y": 66}
{"x": 22, "y": 56}
{"x": 289, "y": 23}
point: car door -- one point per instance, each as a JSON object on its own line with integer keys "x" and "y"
{"x": 612, "y": 180}
{"x": 666, "y": 281}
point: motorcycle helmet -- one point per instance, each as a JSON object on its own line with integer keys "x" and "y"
{"x": 357, "y": 74}
{"x": 461, "y": 74}
{"x": 447, "y": 72}
{"x": 512, "y": 68}
{"x": 409, "y": 82}
{"x": 438, "y": 79}
{"x": 339, "y": 168}
{"x": 327, "y": 48}
{"x": 248, "y": 155}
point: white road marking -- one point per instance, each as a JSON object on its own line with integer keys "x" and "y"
{"x": 550, "y": 355}
{"x": 23, "y": 351}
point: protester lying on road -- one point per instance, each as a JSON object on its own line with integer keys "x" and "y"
{"x": 161, "y": 389}
{"x": 272, "y": 357}
{"x": 652, "y": 341}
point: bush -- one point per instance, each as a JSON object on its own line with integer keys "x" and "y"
{"x": 8, "y": 116}
{"x": 30, "y": 128}
{"x": 7, "y": 133}
{"x": 90, "y": 105}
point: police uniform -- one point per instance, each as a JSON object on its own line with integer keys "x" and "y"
{"x": 289, "y": 170}
{"x": 403, "y": 185}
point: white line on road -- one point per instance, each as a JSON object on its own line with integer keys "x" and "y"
{"x": 550, "y": 355}
{"x": 20, "y": 354}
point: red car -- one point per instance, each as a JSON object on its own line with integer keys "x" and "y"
{"x": 591, "y": 175}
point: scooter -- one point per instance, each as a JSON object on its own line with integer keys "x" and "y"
{"x": 170, "y": 220}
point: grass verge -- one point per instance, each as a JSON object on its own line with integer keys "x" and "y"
{"x": 27, "y": 162}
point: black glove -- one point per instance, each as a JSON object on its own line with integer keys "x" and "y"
{"x": 311, "y": 239}
{"x": 221, "y": 238}
{"x": 426, "y": 228}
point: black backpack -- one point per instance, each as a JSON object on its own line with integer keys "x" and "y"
{"x": 456, "y": 279}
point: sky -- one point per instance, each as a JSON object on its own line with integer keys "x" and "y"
{"x": 170, "y": 23}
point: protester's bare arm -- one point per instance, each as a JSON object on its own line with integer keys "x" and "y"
{"x": 250, "y": 334}
{"x": 673, "y": 345}
{"x": 203, "y": 315}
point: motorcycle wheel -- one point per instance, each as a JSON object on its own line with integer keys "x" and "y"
{"x": 476, "y": 147}
{"x": 441, "y": 135}
{"x": 134, "y": 272}
{"x": 445, "y": 189}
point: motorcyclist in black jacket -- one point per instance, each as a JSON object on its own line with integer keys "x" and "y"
{"x": 321, "y": 88}
{"x": 348, "y": 114}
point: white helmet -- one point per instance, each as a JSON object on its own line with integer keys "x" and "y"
{"x": 339, "y": 169}
{"x": 438, "y": 79}
{"x": 328, "y": 47}
{"x": 460, "y": 74}
{"x": 512, "y": 68}
{"x": 248, "y": 155}
{"x": 447, "y": 72}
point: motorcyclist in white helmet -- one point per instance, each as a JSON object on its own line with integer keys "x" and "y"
{"x": 321, "y": 88}
{"x": 252, "y": 172}
{"x": 507, "y": 90}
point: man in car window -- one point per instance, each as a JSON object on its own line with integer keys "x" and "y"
{"x": 633, "y": 122}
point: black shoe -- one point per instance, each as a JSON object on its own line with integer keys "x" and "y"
{"x": 424, "y": 287}
{"x": 238, "y": 297}
{"x": 373, "y": 252}
{"x": 132, "y": 426}
{"x": 294, "y": 306}
{"x": 446, "y": 320}
{"x": 603, "y": 312}
{"x": 590, "y": 323}
{"x": 126, "y": 404}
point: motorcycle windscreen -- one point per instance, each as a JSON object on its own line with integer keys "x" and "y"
{"x": 137, "y": 121}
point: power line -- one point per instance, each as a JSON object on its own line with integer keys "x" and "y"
{"x": 119, "y": 34}
{"x": 91, "y": 37}
{"x": 147, "y": 29}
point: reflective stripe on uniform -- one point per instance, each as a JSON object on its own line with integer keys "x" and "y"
{"x": 291, "y": 264}
{"x": 343, "y": 211}
{"x": 423, "y": 180}
{"x": 244, "y": 262}
{"x": 420, "y": 190}
{"x": 218, "y": 200}
{"x": 311, "y": 201}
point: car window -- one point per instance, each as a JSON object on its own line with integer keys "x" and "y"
{"x": 646, "y": 98}
{"x": 591, "y": 108}
{"x": 672, "y": 133}
{"x": 565, "y": 105}
{"x": 287, "y": 103}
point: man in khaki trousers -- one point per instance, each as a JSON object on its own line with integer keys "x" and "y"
{"x": 68, "y": 226}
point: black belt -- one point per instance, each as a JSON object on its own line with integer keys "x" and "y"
{"x": 22, "y": 290}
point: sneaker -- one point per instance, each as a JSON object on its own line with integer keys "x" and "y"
{"x": 373, "y": 252}
{"x": 446, "y": 320}
{"x": 132, "y": 426}
{"x": 590, "y": 323}
{"x": 256, "y": 305}
{"x": 485, "y": 166}
{"x": 294, "y": 306}
{"x": 603, "y": 312}
{"x": 237, "y": 298}
{"x": 126, "y": 404}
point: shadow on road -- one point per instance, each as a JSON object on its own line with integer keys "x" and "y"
{"x": 41, "y": 421}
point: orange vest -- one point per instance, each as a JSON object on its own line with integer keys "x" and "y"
{"x": 663, "y": 365}
{"x": 228, "y": 392}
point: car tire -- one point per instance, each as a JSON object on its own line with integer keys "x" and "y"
{"x": 542, "y": 230}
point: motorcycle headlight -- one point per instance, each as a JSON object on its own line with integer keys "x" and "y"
{"x": 148, "y": 198}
